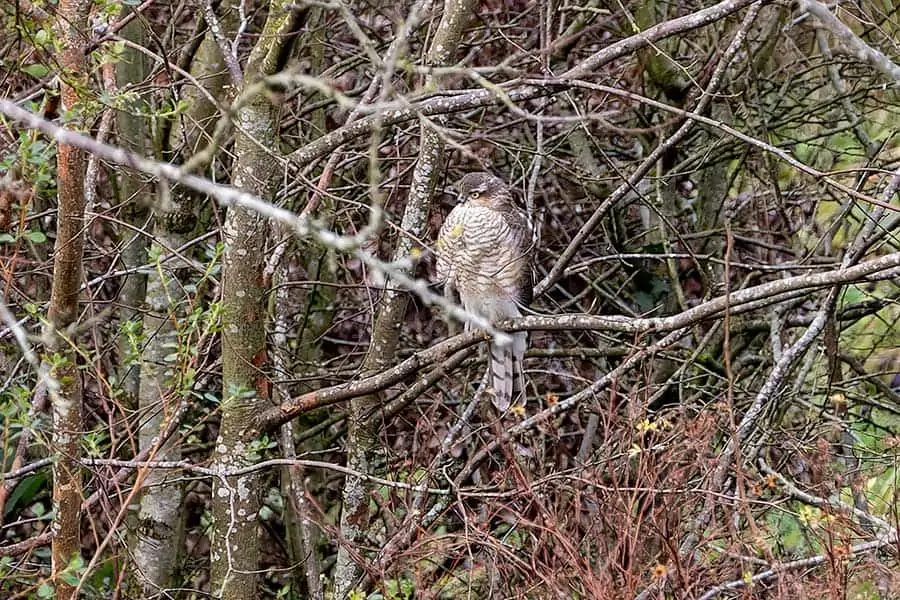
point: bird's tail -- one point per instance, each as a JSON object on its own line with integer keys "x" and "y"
{"x": 507, "y": 373}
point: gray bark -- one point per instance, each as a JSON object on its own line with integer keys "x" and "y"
{"x": 317, "y": 305}
{"x": 159, "y": 529}
{"x": 235, "y": 538}
{"x": 136, "y": 194}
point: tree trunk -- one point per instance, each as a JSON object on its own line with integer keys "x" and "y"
{"x": 157, "y": 538}
{"x": 65, "y": 385}
{"x": 136, "y": 195}
{"x": 362, "y": 434}
{"x": 245, "y": 393}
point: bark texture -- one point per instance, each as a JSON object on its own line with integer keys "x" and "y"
{"x": 133, "y": 134}
{"x": 235, "y": 543}
{"x": 159, "y": 529}
{"x": 65, "y": 386}
{"x": 235, "y": 539}
{"x": 317, "y": 305}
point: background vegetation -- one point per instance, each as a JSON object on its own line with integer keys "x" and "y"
{"x": 224, "y": 373}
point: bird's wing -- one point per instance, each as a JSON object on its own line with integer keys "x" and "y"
{"x": 449, "y": 244}
{"x": 522, "y": 241}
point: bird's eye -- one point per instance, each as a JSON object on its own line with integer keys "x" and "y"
{"x": 474, "y": 194}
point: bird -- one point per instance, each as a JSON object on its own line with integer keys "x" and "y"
{"x": 484, "y": 253}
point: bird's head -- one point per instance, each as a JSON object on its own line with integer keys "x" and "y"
{"x": 482, "y": 188}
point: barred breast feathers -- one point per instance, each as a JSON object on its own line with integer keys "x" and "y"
{"x": 484, "y": 253}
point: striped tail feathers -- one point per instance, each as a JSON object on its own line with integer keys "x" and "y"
{"x": 502, "y": 377}
{"x": 507, "y": 373}
{"x": 520, "y": 342}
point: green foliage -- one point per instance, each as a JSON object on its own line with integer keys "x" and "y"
{"x": 25, "y": 493}
{"x": 98, "y": 585}
{"x": 95, "y": 443}
{"x": 787, "y": 535}
{"x": 193, "y": 331}
{"x": 73, "y": 571}
{"x": 169, "y": 109}
{"x": 108, "y": 9}
{"x": 38, "y": 237}
{"x": 238, "y": 394}
{"x": 391, "y": 589}
{"x": 257, "y": 448}
{"x": 133, "y": 332}
{"x": 14, "y": 403}
{"x": 102, "y": 579}
{"x": 34, "y": 158}
{"x": 36, "y": 70}
{"x": 40, "y": 36}
{"x": 852, "y": 294}
{"x": 110, "y": 54}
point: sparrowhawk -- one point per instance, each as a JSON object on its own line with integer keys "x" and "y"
{"x": 484, "y": 253}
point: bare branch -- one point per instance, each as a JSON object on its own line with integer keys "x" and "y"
{"x": 862, "y": 50}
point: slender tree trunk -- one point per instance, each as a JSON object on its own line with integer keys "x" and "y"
{"x": 65, "y": 386}
{"x": 362, "y": 434}
{"x": 156, "y": 541}
{"x": 235, "y": 539}
{"x": 157, "y": 536}
{"x": 318, "y": 303}
{"x": 136, "y": 194}
{"x": 235, "y": 543}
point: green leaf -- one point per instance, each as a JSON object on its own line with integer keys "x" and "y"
{"x": 70, "y": 578}
{"x": 38, "y": 237}
{"x": 45, "y": 590}
{"x": 6, "y": 238}
{"x": 25, "y": 492}
{"x": 73, "y": 571}
{"x": 41, "y": 38}
{"x": 36, "y": 70}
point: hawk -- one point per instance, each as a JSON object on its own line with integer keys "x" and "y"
{"x": 484, "y": 253}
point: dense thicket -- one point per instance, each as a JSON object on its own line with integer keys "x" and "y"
{"x": 277, "y": 401}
